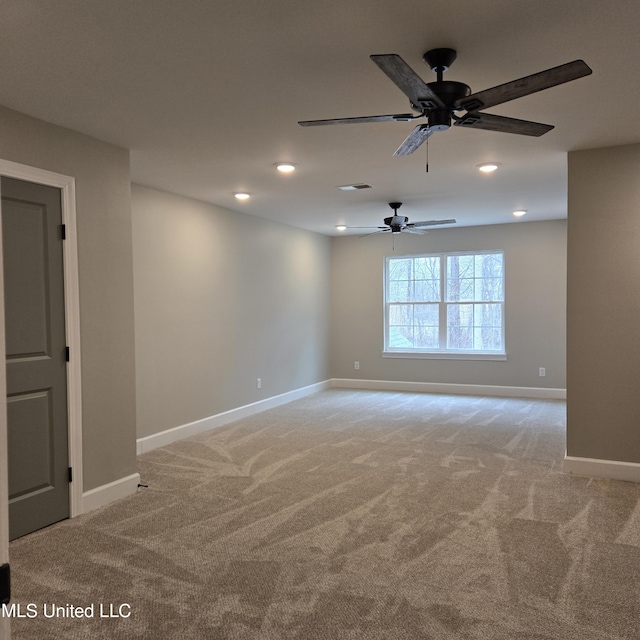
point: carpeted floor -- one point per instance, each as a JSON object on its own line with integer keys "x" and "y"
{"x": 351, "y": 515}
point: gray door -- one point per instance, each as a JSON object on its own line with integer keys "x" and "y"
{"x": 36, "y": 356}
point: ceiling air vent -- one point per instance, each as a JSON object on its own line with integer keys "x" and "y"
{"x": 355, "y": 187}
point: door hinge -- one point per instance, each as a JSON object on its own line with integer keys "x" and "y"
{"x": 63, "y": 231}
{"x": 5, "y": 584}
{"x": 70, "y": 474}
{"x": 67, "y": 354}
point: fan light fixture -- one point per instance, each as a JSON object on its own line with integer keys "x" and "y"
{"x": 518, "y": 213}
{"x": 242, "y": 196}
{"x": 285, "y": 167}
{"x": 487, "y": 167}
{"x": 341, "y": 227}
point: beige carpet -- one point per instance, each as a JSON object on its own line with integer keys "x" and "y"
{"x": 351, "y": 515}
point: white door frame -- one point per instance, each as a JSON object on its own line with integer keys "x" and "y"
{"x": 67, "y": 186}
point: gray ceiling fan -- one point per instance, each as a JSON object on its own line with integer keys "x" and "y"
{"x": 401, "y": 224}
{"x": 440, "y": 101}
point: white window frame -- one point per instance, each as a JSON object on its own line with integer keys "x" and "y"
{"x": 442, "y": 353}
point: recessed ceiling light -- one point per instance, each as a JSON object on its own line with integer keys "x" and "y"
{"x": 341, "y": 227}
{"x": 285, "y": 167}
{"x": 518, "y": 213}
{"x": 242, "y": 196}
{"x": 487, "y": 167}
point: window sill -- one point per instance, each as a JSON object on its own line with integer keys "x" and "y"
{"x": 441, "y": 355}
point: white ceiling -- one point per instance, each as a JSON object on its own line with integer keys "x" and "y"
{"x": 207, "y": 94}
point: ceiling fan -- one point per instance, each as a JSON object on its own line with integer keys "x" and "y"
{"x": 440, "y": 101}
{"x": 401, "y": 224}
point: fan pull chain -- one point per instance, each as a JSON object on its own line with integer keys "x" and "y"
{"x": 426, "y": 169}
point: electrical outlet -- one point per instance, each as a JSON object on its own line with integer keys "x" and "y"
{"x": 259, "y": 383}
{"x": 542, "y": 372}
{"x": 356, "y": 365}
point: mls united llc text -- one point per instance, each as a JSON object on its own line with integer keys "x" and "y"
{"x": 33, "y": 610}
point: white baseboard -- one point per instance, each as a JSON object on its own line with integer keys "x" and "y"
{"x": 459, "y": 389}
{"x": 163, "y": 438}
{"x": 107, "y": 493}
{"x": 595, "y": 468}
{"x": 212, "y": 422}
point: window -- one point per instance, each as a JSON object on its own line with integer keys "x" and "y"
{"x": 445, "y": 305}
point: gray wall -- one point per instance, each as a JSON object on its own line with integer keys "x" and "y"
{"x": 535, "y": 267}
{"x": 106, "y": 283}
{"x": 603, "y": 306}
{"x": 221, "y": 299}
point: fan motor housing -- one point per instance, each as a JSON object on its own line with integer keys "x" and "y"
{"x": 439, "y": 120}
{"x": 399, "y": 221}
{"x": 449, "y": 91}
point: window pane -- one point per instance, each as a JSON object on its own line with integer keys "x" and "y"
{"x": 426, "y": 338}
{"x": 488, "y": 315}
{"x": 489, "y": 265}
{"x": 400, "y": 269}
{"x": 474, "y": 327}
{"x": 426, "y": 291}
{"x": 427, "y": 268}
{"x": 487, "y": 339}
{"x": 488, "y": 289}
{"x": 401, "y": 314}
{"x": 460, "y": 338}
{"x": 459, "y": 315}
{"x": 474, "y": 277}
{"x": 460, "y": 290}
{"x": 400, "y": 291}
{"x": 460, "y": 266}
{"x": 460, "y": 326}
{"x": 401, "y": 326}
{"x": 413, "y": 326}
{"x": 426, "y": 315}
{"x": 400, "y": 337}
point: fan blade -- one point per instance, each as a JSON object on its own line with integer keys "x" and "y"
{"x": 431, "y": 223}
{"x": 408, "y": 81}
{"x": 373, "y": 233}
{"x": 492, "y": 122}
{"x": 524, "y": 86}
{"x": 396, "y": 117}
{"x": 385, "y": 228}
{"x": 418, "y": 231}
{"x": 414, "y": 140}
